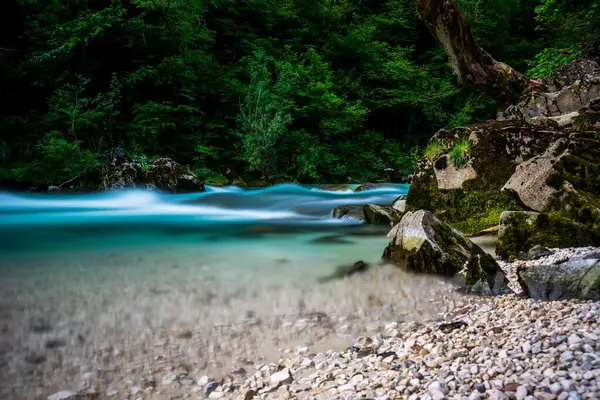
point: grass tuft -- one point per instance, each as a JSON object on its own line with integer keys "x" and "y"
{"x": 434, "y": 149}
{"x": 460, "y": 152}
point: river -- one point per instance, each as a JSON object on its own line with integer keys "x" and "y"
{"x": 122, "y": 281}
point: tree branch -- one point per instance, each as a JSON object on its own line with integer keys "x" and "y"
{"x": 471, "y": 64}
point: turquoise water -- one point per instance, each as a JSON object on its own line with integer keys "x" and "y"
{"x": 33, "y": 223}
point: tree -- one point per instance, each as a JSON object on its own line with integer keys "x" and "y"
{"x": 470, "y": 63}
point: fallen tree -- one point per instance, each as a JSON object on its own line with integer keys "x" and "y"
{"x": 471, "y": 64}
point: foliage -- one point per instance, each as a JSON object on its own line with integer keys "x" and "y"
{"x": 460, "y": 152}
{"x": 294, "y": 90}
{"x": 434, "y": 149}
{"x": 574, "y": 26}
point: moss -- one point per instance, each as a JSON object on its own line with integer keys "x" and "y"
{"x": 473, "y": 208}
{"x": 522, "y": 231}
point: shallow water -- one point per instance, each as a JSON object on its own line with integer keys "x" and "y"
{"x": 66, "y": 223}
{"x": 126, "y": 270}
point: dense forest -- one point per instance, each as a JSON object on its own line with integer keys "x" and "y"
{"x": 291, "y": 90}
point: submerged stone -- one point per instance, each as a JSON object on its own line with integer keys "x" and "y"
{"x": 365, "y": 186}
{"x": 577, "y": 279}
{"x": 423, "y": 243}
{"x": 355, "y": 212}
{"x": 346, "y": 271}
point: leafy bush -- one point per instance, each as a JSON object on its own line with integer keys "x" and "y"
{"x": 460, "y": 152}
{"x": 61, "y": 160}
{"x": 434, "y": 149}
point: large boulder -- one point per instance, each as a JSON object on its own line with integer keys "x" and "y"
{"x": 520, "y": 231}
{"x": 541, "y": 155}
{"x": 513, "y": 166}
{"x": 121, "y": 171}
{"x": 381, "y": 215}
{"x": 575, "y": 279}
{"x": 422, "y": 243}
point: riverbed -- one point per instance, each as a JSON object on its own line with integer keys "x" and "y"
{"x": 102, "y": 292}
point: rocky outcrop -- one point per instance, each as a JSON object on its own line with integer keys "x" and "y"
{"x": 575, "y": 279}
{"x": 121, "y": 171}
{"x": 569, "y": 90}
{"x": 423, "y": 243}
{"x": 353, "y": 211}
{"x": 541, "y": 155}
{"x": 520, "y": 231}
{"x": 381, "y": 215}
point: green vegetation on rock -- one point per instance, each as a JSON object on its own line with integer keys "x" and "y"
{"x": 520, "y": 231}
{"x": 433, "y": 150}
{"x": 460, "y": 151}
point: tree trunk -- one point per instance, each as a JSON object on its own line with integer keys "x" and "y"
{"x": 470, "y": 63}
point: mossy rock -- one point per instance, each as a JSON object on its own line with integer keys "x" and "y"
{"x": 381, "y": 215}
{"x": 424, "y": 244}
{"x": 497, "y": 148}
{"x": 520, "y": 231}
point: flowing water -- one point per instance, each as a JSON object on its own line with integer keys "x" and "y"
{"x": 123, "y": 281}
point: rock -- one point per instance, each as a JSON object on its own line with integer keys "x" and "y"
{"x": 209, "y": 387}
{"x": 578, "y": 279}
{"x": 364, "y": 187}
{"x": 166, "y": 174}
{"x": 282, "y": 377}
{"x": 447, "y": 328}
{"x": 355, "y": 212}
{"x": 570, "y": 89}
{"x": 35, "y": 357}
{"x": 423, "y": 243}
{"x": 346, "y": 271}
{"x": 63, "y": 395}
{"x": 381, "y": 215}
{"x": 520, "y": 231}
{"x": 53, "y": 188}
{"x": 514, "y": 165}
{"x": 335, "y": 188}
{"x": 537, "y": 252}
{"x": 450, "y": 176}
{"x": 121, "y": 171}
{"x": 531, "y": 179}
{"x": 400, "y": 203}
{"x": 183, "y": 334}
{"x": 54, "y": 343}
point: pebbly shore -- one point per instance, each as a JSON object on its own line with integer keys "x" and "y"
{"x": 506, "y": 347}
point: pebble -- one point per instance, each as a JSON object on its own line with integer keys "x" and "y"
{"x": 282, "y": 377}
{"x": 63, "y": 395}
